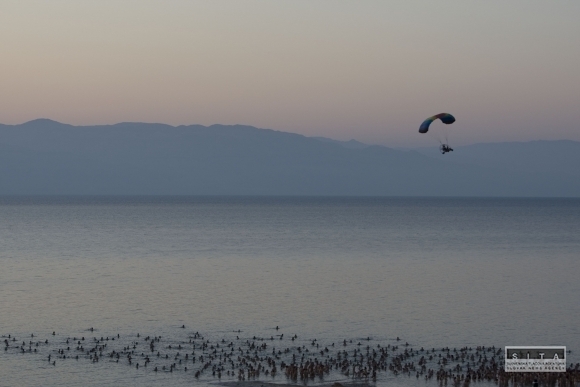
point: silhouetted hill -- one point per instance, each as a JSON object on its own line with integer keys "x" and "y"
{"x": 548, "y": 167}
{"x": 44, "y": 157}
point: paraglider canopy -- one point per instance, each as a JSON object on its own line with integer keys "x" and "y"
{"x": 446, "y": 118}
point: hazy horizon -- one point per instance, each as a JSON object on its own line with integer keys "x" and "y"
{"x": 370, "y": 71}
{"x": 45, "y": 157}
{"x": 361, "y": 143}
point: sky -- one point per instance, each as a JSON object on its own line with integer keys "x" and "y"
{"x": 369, "y": 70}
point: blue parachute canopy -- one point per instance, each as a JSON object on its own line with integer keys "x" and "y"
{"x": 446, "y": 118}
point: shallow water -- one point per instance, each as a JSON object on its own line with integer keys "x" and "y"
{"x": 436, "y": 272}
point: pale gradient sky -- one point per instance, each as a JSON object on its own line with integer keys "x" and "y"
{"x": 369, "y": 70}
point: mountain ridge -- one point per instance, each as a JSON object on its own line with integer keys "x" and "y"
{"x": 46, "y": 157}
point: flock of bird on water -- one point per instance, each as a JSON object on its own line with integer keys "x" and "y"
{"x": 243, "y": 358}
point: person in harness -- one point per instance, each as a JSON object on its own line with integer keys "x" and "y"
{"x": 445, "y": 148}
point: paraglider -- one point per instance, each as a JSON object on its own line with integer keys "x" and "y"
{"x": 444, "y": 148}
{"x": 447, "y": 119}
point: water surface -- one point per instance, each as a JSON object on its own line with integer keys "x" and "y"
{"x": 434, "y": 271}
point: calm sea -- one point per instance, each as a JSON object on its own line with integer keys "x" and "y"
{"x": 433, "y": 271}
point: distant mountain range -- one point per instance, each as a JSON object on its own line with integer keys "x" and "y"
{"x": 44, "y": 157}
